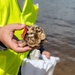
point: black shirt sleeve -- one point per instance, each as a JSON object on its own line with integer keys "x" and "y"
{"x": 2, "y": 47}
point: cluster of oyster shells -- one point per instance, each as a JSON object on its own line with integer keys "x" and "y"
{"x": 34, "y": 36}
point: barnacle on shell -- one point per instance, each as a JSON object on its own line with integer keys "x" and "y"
{"x": 34, "y": 36}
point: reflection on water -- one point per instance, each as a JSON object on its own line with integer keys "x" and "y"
{"x": 57, "y": 17}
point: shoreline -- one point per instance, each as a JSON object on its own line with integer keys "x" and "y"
{"x": 66, "y": 66}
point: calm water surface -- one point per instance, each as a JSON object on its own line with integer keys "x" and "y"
{"x": 57, "y": 17}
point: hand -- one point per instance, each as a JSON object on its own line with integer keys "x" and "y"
{"x": 6, "y": 37}
{"x": 46, "y": 53}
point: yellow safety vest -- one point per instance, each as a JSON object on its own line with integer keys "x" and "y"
{"x": 10, "y": 13}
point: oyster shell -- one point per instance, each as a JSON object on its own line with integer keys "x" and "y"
{"x": 34, "y": 36}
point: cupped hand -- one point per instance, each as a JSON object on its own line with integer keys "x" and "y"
{"x": 6, "y": 37}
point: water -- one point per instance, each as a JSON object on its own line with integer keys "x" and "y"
{"x": 57, "y": 17}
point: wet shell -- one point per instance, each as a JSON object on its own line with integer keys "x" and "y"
{"x": 34, "y": 36}
{"x": 42, "y": 36}
{"x": 24, "y": 43}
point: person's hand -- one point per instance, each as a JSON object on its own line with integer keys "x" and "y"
{"x": 46, "y": 53}
{"x": 6, "y": 37}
